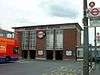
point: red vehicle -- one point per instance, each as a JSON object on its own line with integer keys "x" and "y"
{"x": 8, "y": 50}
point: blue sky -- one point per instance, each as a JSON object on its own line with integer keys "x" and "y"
{"x": 34, "y": 12}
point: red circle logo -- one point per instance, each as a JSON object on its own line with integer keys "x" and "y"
{"x": 41, "y": 34}
{"x": 94, "y": 11}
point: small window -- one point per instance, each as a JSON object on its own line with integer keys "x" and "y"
{"x": 40, "y": 52}
{"x": 68, "y": 53}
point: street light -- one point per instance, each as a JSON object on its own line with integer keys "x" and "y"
{"x": 86, "y": 43}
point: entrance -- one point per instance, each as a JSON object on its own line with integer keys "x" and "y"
{"x": 24, "y": 54}
{"x": 58, "y": 55}
{"x": 49, "y": 54}
{"x": 32, "y": 54}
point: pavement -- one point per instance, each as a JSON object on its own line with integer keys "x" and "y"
{"x": 46, "y": 67}
{"x": 38, "y": 67}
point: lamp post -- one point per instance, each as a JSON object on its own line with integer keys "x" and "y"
{"x": 86, "y": 44}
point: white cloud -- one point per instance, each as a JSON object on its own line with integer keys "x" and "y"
{"x": 62, "y": 8}
{"x": 29, "y": 12}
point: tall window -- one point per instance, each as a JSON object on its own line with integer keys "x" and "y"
{"x": 49, "y": 39}
{"x": 25, "y": 37}
{"x": 32, "y": 44}
{"x": 59, "y": 39}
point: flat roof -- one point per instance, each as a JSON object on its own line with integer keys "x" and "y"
{"x": 46, "y": 25}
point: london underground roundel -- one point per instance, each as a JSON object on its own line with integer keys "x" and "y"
{"x": 41, "y": 34}
{"x": 95, "y": 11}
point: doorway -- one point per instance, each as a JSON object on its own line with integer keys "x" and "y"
{"x": 32, "y": 54}
{"x": 49, "y": 54}
{"x": 24, "y": 54}
{"x": 58, "y": 55}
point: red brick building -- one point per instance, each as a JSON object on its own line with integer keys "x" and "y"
{"x": 54, "y": 41}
